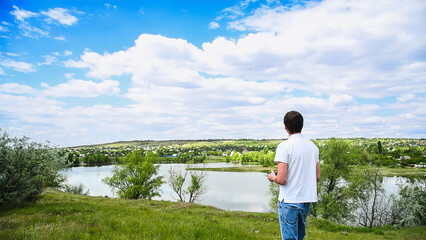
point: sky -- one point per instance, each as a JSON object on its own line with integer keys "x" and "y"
{"x": 88, "y": 72}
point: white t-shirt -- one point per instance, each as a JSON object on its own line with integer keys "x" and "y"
{"x": 302, "y": 156}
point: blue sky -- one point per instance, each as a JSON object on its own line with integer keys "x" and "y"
{"x": 86, "y": 72}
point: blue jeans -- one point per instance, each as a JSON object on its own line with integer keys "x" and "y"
{"x": 293, "y": 219}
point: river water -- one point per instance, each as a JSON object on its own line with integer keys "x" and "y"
{"x": 235, "y": 191}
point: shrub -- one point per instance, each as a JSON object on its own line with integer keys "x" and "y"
{"x": 135, "y": 178}
{"x": 26, "y": 168}
{"x": 76, "y": 189}
{"x": 410, "y": 209}
{"x": 193, "y": 191}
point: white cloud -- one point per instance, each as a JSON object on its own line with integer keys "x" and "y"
{"x": 12, "y": 54}
{"x": 31, "y": 31}
{"x": 346, "y": 44}
{"x": 35, "y": 28}
{"x": 3, "y": 29}
{"x": 21, "y": 14}
{"x": 17, "y": 65}
{"x": 60, "y": 15}
{"x": 49, "y": 59}
{"x": 406, "y": 97}
{"x": 17, "y": 88}
{"x": 69, "y": 76}
{"x": 26, "y": 28}
{"x": 67, "y": 53}
{"x": 214, "y": 25}
{"x": 81, "y": 88}
{"x": 108, "y": 6}
{"x": 235, "y": 11}
{"x": 60, "y": 38}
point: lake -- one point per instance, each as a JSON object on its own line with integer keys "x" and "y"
{"x": 235, "y": 191}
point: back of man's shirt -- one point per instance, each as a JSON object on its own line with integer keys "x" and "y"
{"x": 302, "y": 156}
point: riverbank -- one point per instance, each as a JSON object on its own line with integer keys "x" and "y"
{"x": 385, "y": 171}
{"x": 60, "y": 215}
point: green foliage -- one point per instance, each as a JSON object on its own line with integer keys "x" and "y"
{"x": 96, "y": 158}
{"x": 75, "y": 189}
{"x": 379, "y": 147}
{"x": 26, "y": 168}
{"x": 410, "y": 208}
{"x": 197, "y": 187}
{"x": 334, "y": 195}
{"x": 176, "y": 181}
{"x": 193, "y": 191}
{"x": 273, "y": 192}
{"x": 136, "y": 179}
{"x": 261, "y": 157}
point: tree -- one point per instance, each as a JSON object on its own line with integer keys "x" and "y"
{"x": 197, "y": 188}
{"x": 26, "y": 168}
{"x": 374, "y": 206}
{"x": 379, "y": 147}
{"x": 333, "y": 191}
{"x": 193, "y": 191}
{"x": 176, "y": 181}
{"x": 135, "y": 179}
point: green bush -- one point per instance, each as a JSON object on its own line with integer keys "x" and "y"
{"x": 25, "y": 169}
{"x": 136, "y": 179}
{"x": 410, "y": 209}
{"x": 75, "y": 189}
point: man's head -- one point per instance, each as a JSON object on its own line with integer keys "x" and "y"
{"x": 293, "y": 122}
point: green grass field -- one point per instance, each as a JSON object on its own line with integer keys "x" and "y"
{"x": 60, "y": 215}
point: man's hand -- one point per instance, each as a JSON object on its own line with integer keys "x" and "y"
{"x": 271, "y": 176}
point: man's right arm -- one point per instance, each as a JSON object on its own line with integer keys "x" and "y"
{"x": 281, "y": 178}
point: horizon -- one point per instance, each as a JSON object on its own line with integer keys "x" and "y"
{"x": 230, "y": 139}
{"x": 84, "y": 72}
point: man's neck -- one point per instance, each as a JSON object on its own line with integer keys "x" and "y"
{"x": 290, "y": 134}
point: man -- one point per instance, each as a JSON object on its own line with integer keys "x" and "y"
{"x": 298, "y": 173}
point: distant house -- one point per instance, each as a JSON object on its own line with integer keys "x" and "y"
{"x": 405, "y": 158}
{"x": 245, "y": 150}
{"x": 420, "y": 165}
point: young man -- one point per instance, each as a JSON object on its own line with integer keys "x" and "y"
{"x": 298, "y": 173}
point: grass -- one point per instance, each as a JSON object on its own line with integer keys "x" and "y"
{"x": 60, "y": 215}
{"x": 403, "y": 172}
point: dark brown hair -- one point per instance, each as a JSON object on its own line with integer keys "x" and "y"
{"x": 293, "y": 120}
